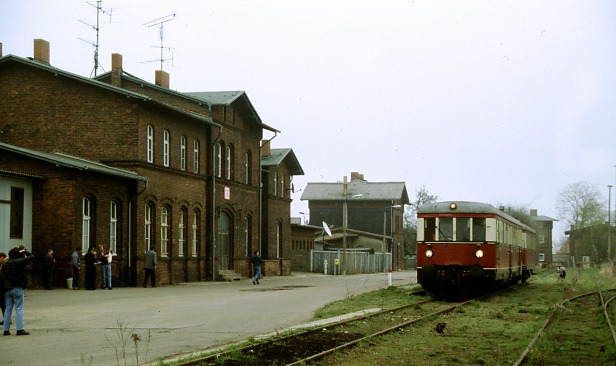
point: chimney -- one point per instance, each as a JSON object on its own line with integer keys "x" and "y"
{"x": 161, "y": 78}
{"x": 41, "y": 50}
{"x": 533, "y": 212}
{"x": 356, "y": 175}
{"x": 116, "y": 69}
{"x": 265, "y": 148}
{"x": 0, "y": 49}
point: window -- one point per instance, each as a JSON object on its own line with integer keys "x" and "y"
{"x": 166, "y": 148}
{"x": 541, "y": 238}
{"x": 228, "y": 173}
{"x": 181, "y": 232}
{"x": 183, "y": 153}
{"x": 148, "y": 227}
{"x": 275, "y": 183}
{"x": 150, "y": 145}
{"x": 282, "y": 185}
{"x": 218, "y": 162}
{"x": 541, "y": 257}
{"x": 164, "y": 231}
{"x": 196, "y": 156}
{"x": 113, "y": 226}
{"x": 445, "y": 228}
{"x": 463, "y": 229}
{"x": 429, "y": 228}
{"x": 479, "y": 229}
{"x": 17, "y": 213}
{"x": 86, "y": 222}
{"x": 195, "y": 232}
{"x": 247, "y": 168}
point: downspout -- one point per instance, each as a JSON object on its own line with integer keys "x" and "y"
{"x": 130, "y": 206}
{"x": 213, "y": 231}
{"x": 261, "y": 189}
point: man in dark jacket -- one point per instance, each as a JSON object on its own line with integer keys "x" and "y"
{"x": 256, "y": 264}
{"x": 49, "y": 263}
{"x": 15, "y": 280}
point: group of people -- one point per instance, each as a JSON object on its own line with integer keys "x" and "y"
{"x": 92, "y": 259}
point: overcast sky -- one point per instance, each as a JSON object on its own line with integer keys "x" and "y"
{"x": 491, "y": 101}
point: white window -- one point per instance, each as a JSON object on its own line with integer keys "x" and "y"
{"x": 148, "y": 227}
{"x": 196, "y": 156}
{"x": 113, "y": 226}
{"x": 228, "y": 161}
{"x": 282, "y": 185}
{"x": 275, "y": 183}
{"x": 181, "y": 236}
{"x": 85, "y": 224}
{"x": 150, "y": 145}
{"x": 183, "y": 153}
{"x": 166, "y": 148}
{"x": 164, "y": 231}
{"x": 195, "y": 232}
{"x": 541, "y": 257}
{"x": 247, "y": 168}
{"x": 218, "y": 160}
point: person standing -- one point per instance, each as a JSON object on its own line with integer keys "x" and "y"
{"x": 2, "y": 302}
{"x": 14, "y": 277}
{"x": 49, "y": 264}
{"x": 149, "y": 267}
{"x": 90, "y": 259}
{"x": 105, "y": 267}
{"x": 256, "y": 264}
{"x": 76, "y": 263}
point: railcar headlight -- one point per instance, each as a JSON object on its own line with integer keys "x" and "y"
{"x": 479, "y": 253}
{"x": 429, "y": 253}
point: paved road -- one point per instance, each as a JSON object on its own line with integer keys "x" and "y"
{"x": 86, "y": 327}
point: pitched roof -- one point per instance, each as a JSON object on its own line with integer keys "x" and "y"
{"x": 369, "y": 191}
{"x": 542, "y": 218}
{"x": 277, "y": 156}
{"x": 226, "y": 98}
{"x": 103, "y": 85}
{"x": 73, "y": 162}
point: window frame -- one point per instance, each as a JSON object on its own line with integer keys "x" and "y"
{"x": 183, "y": 152}
{"x": 150, "y": 144}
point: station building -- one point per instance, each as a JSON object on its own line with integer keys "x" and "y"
{"x": 118, "y": 161}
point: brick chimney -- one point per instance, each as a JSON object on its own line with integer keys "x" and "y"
{"x": 41, "y": 50}
{"x": 116, "y": 69}
{"x": 265, "y": 148}
{"x": 533, "y": 212}
{"x": 0, "y": 49}
{"x": 161, "y": 78}
{"x": 356, "y": 175}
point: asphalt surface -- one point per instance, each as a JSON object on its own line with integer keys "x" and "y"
{"x": 69, "y": 327}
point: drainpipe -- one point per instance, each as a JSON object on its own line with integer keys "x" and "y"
{"x": 130, "y": 206}
{"x": 213, "y": 231}
{"x": 261, "y": 188}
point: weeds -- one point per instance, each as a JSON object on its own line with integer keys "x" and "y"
{"x": 124, "y": 335}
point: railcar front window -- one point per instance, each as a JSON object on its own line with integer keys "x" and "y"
{"x": 479, "y": 229}
{"x": 463, "y": 229}
{"x": 445, "y": 229}
{"x": 429, "y": 229}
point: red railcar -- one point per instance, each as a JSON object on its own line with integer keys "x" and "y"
{"x": 471, "y": 247}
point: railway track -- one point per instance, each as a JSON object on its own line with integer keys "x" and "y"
{"x": 587, "y": 302}
{"x": 343, "y": 334}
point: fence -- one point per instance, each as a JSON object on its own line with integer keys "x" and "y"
{"x": 357, "y": 262}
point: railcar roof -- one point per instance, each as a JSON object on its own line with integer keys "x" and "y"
{"x": 468, "y": 207}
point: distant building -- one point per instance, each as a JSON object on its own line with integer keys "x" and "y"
{"x": 372, "y": 207}
{"x": 545, "y": 225}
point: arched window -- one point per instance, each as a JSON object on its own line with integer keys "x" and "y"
{"x": 196, "y": 156}
{"x": 182, "y": 231}
{"x": 148, "y": 219}
{"x": 113, "y": 226}
{"x": 218, "y": 162}
{"x": 229, "y": 168}
{"x": 150, "y": 145}
{"x": 196, "y": 220}
{"x": 164, "y": 231}
{"x": 183, "y": 153}
{"x": 86, "y": 224}
{"x": 166, "y": 148}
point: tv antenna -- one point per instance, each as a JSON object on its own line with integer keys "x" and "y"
{"x": 99, "y": 10}
{"x": 161, "y": 23}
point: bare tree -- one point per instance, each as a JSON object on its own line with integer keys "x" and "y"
{"x": 579, "y": 204}
{"x": 410, "y": 218}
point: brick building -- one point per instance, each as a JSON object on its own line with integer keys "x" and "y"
{"x": 179, "y": 171}
{"x": 372, "y": 207}
{"x": 545, "y": 225}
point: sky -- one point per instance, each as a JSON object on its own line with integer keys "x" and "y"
{"x": 503, "y": 102}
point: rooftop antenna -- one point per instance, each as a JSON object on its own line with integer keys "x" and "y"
{"x": 161, "y": 22}
{"x": 99, "y": 10}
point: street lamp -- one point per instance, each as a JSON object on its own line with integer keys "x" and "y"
{"x": 609, "y": 223}
{"x": 345, "y": 224}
